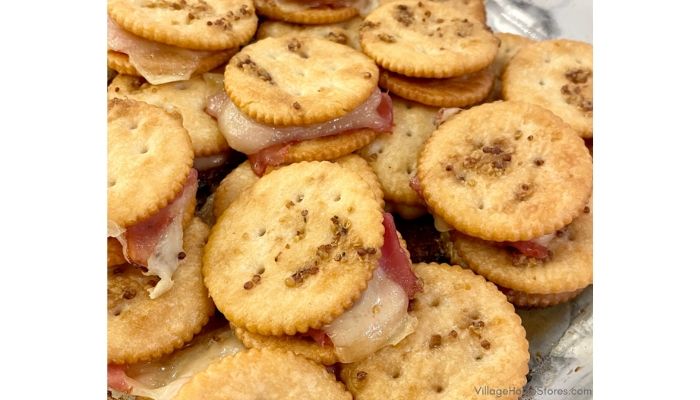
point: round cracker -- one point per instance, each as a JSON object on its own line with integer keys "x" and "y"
{"x": 346, "y": 32}
{"x": 149, "y": 158}
{"x": 298, "y": 80}
{"x": 263, "y": 374}
{"x": 303, "y": 346}
{"x": 569, "y": 268}
{"x": 393, "y": 156}
{"x": 291, "y": 243}
{"x": 298, "y": 12}
{"x": 405, "y": 37}
{"x": 120, "y": 62}
{"x": 115, "y": 255}
{"x": 505, "y": 171}
{"x": 191, "y": 24}
{"x": 510, "y": 45}
{"x": 140, "y": 328}
{"x": 473, "y": 8}
{"x": 468, "y": 336}
{"x": 557, "y": 75}
{"x": 329, "y": 147}
{"x": 461, "y": 91}
{"x": 189, "y": 98}
{"x": 532, "y": 300}
{"x": 243, "y": 177}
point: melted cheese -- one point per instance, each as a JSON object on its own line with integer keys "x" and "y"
{"x": 377, "y": 319}
{"x": 163, "y": 378}
{"x": 164, "y": 260}
{"x": 441, "y": 225}
{"x": 209, "y": 162}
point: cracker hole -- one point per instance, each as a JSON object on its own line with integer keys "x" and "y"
{"x": 262, "y": 232}
{"x": 351, "y": 209}
{"x": 479, "y": 357}
{"x": 438, "y": 388}
{"x": 481, "y": 206}
{"x": 396, "y": 374}
{"x": 474, "y": 315}
{"x": 261, "y": 271}
{"x": 409, "y": 170}
{"x": 547, "y": 60}
{"x": 112, "y": 183}
{"x": 409, "y": 133}
{"x": 133, "y": 126}
{"x": 578, "y": 61}
{"x": 144, "y": 150}
{"x": 337, "y": 197}
{"x": 435, "y": 302}
{"x": 541, "y": 83}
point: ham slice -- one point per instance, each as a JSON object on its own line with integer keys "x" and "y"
{"x": 156, "y": 242}
{"x": 117, "y": 379}
{"x": 250, "y": 137}
{"x": 157, "y": 62}
{"x": 395, "y": 262}
{"x": 531, "y": 248}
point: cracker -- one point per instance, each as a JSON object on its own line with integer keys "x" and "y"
{"x": 557, "y": 75}
{"x": 461, "y": 91}
{"x": 191, "y": 24}
{"x": 140, "y": 328}
{"x": 115, "y": 255}
{"x": 505, "y": 171}
{"x": 329, "y": 147}
{"x": 303, "y": 346}
{"x": 243, "y": 177}
{"x": 468, "y": 337}
{"x": 301, "y": 80}
{"x": 569, "y": 268}
{"x": 393, "y": 156}
{"x": 405, "y": 211}
{"x": 120, "y": 62}
{"x": 346, "y": 32}
{"x": 510, "y": 45}
{"x": 189, "y": 98}
{"x": 405, "y": 37}
{"x": 263, "y": 374}
{"x": 291, "y": 243}
{"x": 531, "y": 300}
{"x": 472, "y": 8}
{"x": 298, "y": 12}
{"x": 149, "y": 158}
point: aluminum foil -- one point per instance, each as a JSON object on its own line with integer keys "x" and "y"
{"x": 561, "y": 337}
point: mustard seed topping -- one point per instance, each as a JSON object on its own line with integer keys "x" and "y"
{"x": 435, "y": 341}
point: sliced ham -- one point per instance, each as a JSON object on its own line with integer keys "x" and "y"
{"x": 530, "y": 248}
{"x": 395, "y": 262}
{"x": 157, "y": 62}
{"x": 250, "y": 137}
{"x": 117, "y": 379}
{"x": 156, "y": 242}
{"x": 269, "y": 156}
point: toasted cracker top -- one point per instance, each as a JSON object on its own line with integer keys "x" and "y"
{"x": 297, "y": 80}
{"x": 300, "y": 13}
{"x": 189, "y": 98}
{"x": 427, "y": 40}
{"x": 346, "y": 32}
{"x": 149, "y": 158}
{"x": 263, "y": 374}
{"x": 505, "y": 171}
{"x": 295, "y": 250}
{"x": 557, "y": 75}
{"x": 191, "y": 24}
{"x": 468, "y": 336}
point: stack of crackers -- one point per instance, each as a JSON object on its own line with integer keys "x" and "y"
{"x": 336, "y": 124}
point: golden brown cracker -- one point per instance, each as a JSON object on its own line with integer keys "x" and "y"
{"x": 115, "y": 255}
{"x": 190, "y": 24}
{"x": 505, "y": 171}
{"x": 468, "y": 336}
{"x": 303, "y": 346}
{"x": 329, "y": 147}
{"x": 461, "y": 91}
{"x": 300, "y": 80}
{"x": 140, "y": 328}
{"x": 293, "y": 241}
{"x": 568, "y": 269}
{"x": 359, "y": 166}
{"x": 346, "y": 32}
{"x": 189, "y": 98}
{"x": 393, "y": 156}
{"x": 298, "y": 12}
{"x": 472, "y": 8}
{"x": 510, "y": 45}
{"x": 427, "y": 40}
{"x": 149, "y": 158}
{"x": 531, "y": 300}
{"x": 263, "y": 374}
{"x": 557, "y": 75}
